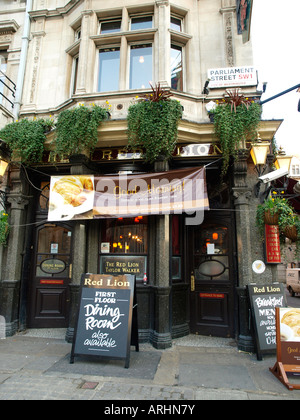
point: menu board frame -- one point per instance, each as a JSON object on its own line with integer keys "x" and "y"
{"x": 288, "y": 353}
{"x": 106, "y": 323}
{"x": 263, "y": 300}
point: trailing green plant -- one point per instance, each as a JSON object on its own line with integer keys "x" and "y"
{"x": 26, "y": 138}
{"x": 4, "y": 227}
{"x": 76, "y": 129}
{"x": 275, "y": 206}
{"x": 236, "y": 120}
{"x": 153, "y": 124}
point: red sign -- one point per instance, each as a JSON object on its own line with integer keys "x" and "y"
{"x": 212, "y": 295}
{"x": 272, "y": 244}
{"x": 51, "y": 281}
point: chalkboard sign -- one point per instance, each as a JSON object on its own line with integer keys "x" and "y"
{"x": 263, "y": 301}
{"x": 104, "y": 322}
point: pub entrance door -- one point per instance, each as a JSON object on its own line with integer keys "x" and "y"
{"x": 50, "y": 277}
{"x": 212, "y": 273}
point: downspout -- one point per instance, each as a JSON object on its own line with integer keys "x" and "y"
{"x": 23, "y": 59}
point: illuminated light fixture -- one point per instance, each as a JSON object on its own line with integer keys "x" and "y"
{"x": 215, "y": 236}
{"x": 141, "y": 59}
{"x": 282, "y": 160}
{"x": 259, "y": 152}
{"x": 4, "y": 157}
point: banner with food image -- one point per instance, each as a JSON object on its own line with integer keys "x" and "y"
{"x": 127, "y": 195}
{"x": 290, "y": 335}
{"x": 71, "y": 196}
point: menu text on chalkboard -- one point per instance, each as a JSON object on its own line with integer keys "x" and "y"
{"x": 263, "y": 301}
{"x": 104, "y": 321}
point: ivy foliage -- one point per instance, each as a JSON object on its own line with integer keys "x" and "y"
{"x": 152, "y": 125}
{"x": 76, "y": 129}
{"x": 26, "y": 139}
{"x": 235, "y": 126}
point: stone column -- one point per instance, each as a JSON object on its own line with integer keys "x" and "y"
{"x": 162, "y": 50}
{"x": 13, "y": 255}
{"x": 87, "y": 51}
{"x": 242, "y": 194}
{"x": 161, "y": 337}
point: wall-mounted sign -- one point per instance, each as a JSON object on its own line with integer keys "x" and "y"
{"x": 123, "y": 264}
{"x": 263, "y": 301}
{"x": 232, "y": 77}
{"x": 272, "y": 244}
{"x": 127, "y": 195}
{"x": 53, "y": 266}
{"x": 288, "y": 345}
{"x": 258, "y": 267}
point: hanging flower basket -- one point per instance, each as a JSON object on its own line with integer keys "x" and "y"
{"x": 291, "y": 233}
{"x": 271, "y": 219}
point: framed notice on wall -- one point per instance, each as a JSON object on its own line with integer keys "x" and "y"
{"x": 107, "y": 318}
{"x": 288, "y": 345}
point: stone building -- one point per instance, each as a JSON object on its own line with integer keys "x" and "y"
{"x": 60, "y": 54}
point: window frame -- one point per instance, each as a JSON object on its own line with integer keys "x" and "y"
{"x": 137, "y": 44}
{"x": 102, "y": 48}
{"x": 101, "y": 22}
{"x": 183, "y": 66}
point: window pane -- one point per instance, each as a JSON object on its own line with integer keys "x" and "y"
{"x": 140, "y": 67}
{"x": 141, "y": 23}
{"x": 125, "y": 236}
{"x": 176, "y": 24}
{"x": 176, "y": 68}
{"x": 109, "y": 64}
{"x": 108, "y": 27}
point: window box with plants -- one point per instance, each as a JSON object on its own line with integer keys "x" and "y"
{"x": 26, "y": 138}
{"x": 77, "y": 129}
{"x": 153, "y": 124}
{"x": 236, "y": 121}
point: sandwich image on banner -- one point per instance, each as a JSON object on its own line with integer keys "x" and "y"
{"x": 71, "y": 197}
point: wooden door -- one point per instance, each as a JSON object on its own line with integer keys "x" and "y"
{"x": 49, "y": 294}
{"x": 212, "y": 274}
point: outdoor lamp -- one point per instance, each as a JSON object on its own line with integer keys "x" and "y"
{"x": 259, "y": 154}
{"x": 282, "y": 160}
{"x": 4, "y": 157}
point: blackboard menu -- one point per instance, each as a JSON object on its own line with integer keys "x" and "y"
{"x": 263, "y": 301}
{"x": 104, "y": 319}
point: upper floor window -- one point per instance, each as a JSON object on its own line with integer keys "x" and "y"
{"x": 109, "y": 65}
{"x": 176, "y": 24}
{"x": 110, "y": 26}
{"x": 144, "y": 22}
{"x": 176, "y": 68}
{"x": 140, "y": 66}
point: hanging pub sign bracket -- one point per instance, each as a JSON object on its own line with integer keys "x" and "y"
{"x": 106, "y": 324}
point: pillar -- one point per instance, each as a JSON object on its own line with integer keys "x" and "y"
{"x": 13, "y": 254}
{"x": 161, "y": 336}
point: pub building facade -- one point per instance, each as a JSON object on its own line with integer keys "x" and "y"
{"x": 89, "y": 51}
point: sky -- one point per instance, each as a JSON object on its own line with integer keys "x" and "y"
{"x": 275, "y": 37}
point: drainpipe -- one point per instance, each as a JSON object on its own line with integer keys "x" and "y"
{"x": 23, "y": 59}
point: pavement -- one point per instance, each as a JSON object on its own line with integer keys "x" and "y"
{"x": 35, "y": 366}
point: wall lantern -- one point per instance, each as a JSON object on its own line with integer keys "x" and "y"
{"x": 259, "y": 153}
{"x": 282, "y": 160}
{"x": 4, "y": 157}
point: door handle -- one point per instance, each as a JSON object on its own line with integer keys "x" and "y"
{"x": 192, "y": 282}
